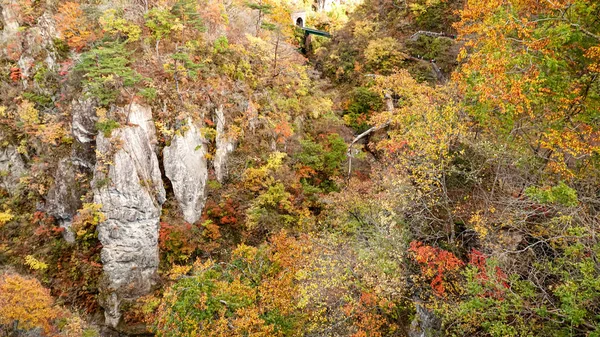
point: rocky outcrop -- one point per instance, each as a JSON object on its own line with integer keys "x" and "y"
{"x": 141, "y": 116}
{"x": 425, "y": 323}
{"x": 26, "y": 45}
{"x": 185, "y": 166}
{"x": 224, "y": 146}
{"x": 12, "y": 167}
{"x": 131, "y": 193}
{"x": 72, "y": 174}
{"x": 83, "y": 129}
{"x": 64, "y": 197}
{"x": 9, "y": 40}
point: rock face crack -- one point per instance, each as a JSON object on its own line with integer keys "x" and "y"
{"x": 131, "y": 194}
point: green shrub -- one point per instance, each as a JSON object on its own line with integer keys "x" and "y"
{"x": 559, "y": 194}
{"x": 107, "y": 127}
{"x": 363, "y": 103}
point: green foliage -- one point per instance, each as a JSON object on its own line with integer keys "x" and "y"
{"x": 261, "y": 7}
{"x": 107, "y": 126}
{"x": 250, "y": 295}
{"x": 324, "y": 159}
{"x": 272, "y": 209}
{"x": 162, "y": 23}
{"x": 189, "y": 66}
{"x": 517, "y": 308}
{"x": 188, "y": 12}
{"x": 40, "y": 100}
{"x": 61, "y": 47}
{"x": 106, "y": 70}
{"x": 560, "y": 194}
{"x": 148, "y": 93}
{"x": 221, "y": 44}
{"x": 362, "y": 104}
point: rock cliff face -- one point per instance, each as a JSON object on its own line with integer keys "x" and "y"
{"x": 27, "y": 46}
{"x": 131, "y": 193}
{"x": 64, "y": 198}
{"x": 186, "y": 167}
{"x": 71, "y": 177}
{"x": 11, "y": 168}
{"x": 141, "y": 116}
{"x": 425, "y": 323}
{"x": 224, "y": 146}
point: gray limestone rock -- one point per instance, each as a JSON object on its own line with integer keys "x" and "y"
{"x": 10, "y": 46}
{"x": 425, "y": 323}
{"x": 72, "y": 173}
{"x": 12, "y": 167}
{"x": 64, "y": 197}
{"x": 141, "y": 116}
{"x": 185, "y": 166}
{"x": 83, "y": 128}
{"x": 131, "y": 193}
{"x": 224, "y": 146}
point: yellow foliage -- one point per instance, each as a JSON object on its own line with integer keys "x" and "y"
{"x": 114, "y": 24}
{"x": 256, "y": 179}
{"x": 177, "y": 271}
{"x": 5, "y": 217}
{"x": 86, "y": 220}
{"x": 28, "y": 113}
{"x": 26, "y": 301}
{"x": 34, "y": 263}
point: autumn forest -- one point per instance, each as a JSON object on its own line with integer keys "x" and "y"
{"x": 320, "y": 168}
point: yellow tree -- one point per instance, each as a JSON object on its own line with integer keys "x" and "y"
{"x": 423, "y": 126}
{"x": 530, "y": 70}
{"x": 25, "y": 303}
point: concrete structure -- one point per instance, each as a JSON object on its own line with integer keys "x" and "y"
{"x": 299, "y": 18}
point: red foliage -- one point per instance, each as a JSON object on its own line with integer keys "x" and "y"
{"x": 224, "y": 214}
{"x": 436, "y": 264}
{"x": 479, "y": 260}
{"x": 46, "y": 227}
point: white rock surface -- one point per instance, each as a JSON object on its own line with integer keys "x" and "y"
{"x": 131, "y": 194}
{"x": 185, "y": 166}
{"x": 224, "y": 146}
{"x": 141, "y": 116}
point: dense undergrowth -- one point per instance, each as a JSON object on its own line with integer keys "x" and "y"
{"x": 433, "y": 167}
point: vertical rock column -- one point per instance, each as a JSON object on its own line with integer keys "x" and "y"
{"x": 186, "y": 167}
{"x": 224, "y": 146}
{"x": 128, "y": 185}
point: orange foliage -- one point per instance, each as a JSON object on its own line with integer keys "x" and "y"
{"x": 436, "y": 264}
{"x": 15, "y": 74}
{"x": 73, "y": 26}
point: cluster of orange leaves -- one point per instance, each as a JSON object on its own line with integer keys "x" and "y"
{"x": 368, "y": 318}
{"x": 73, "y": 26}
{"x": 15, "y": 74}
{"x": 510, "y": 57}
